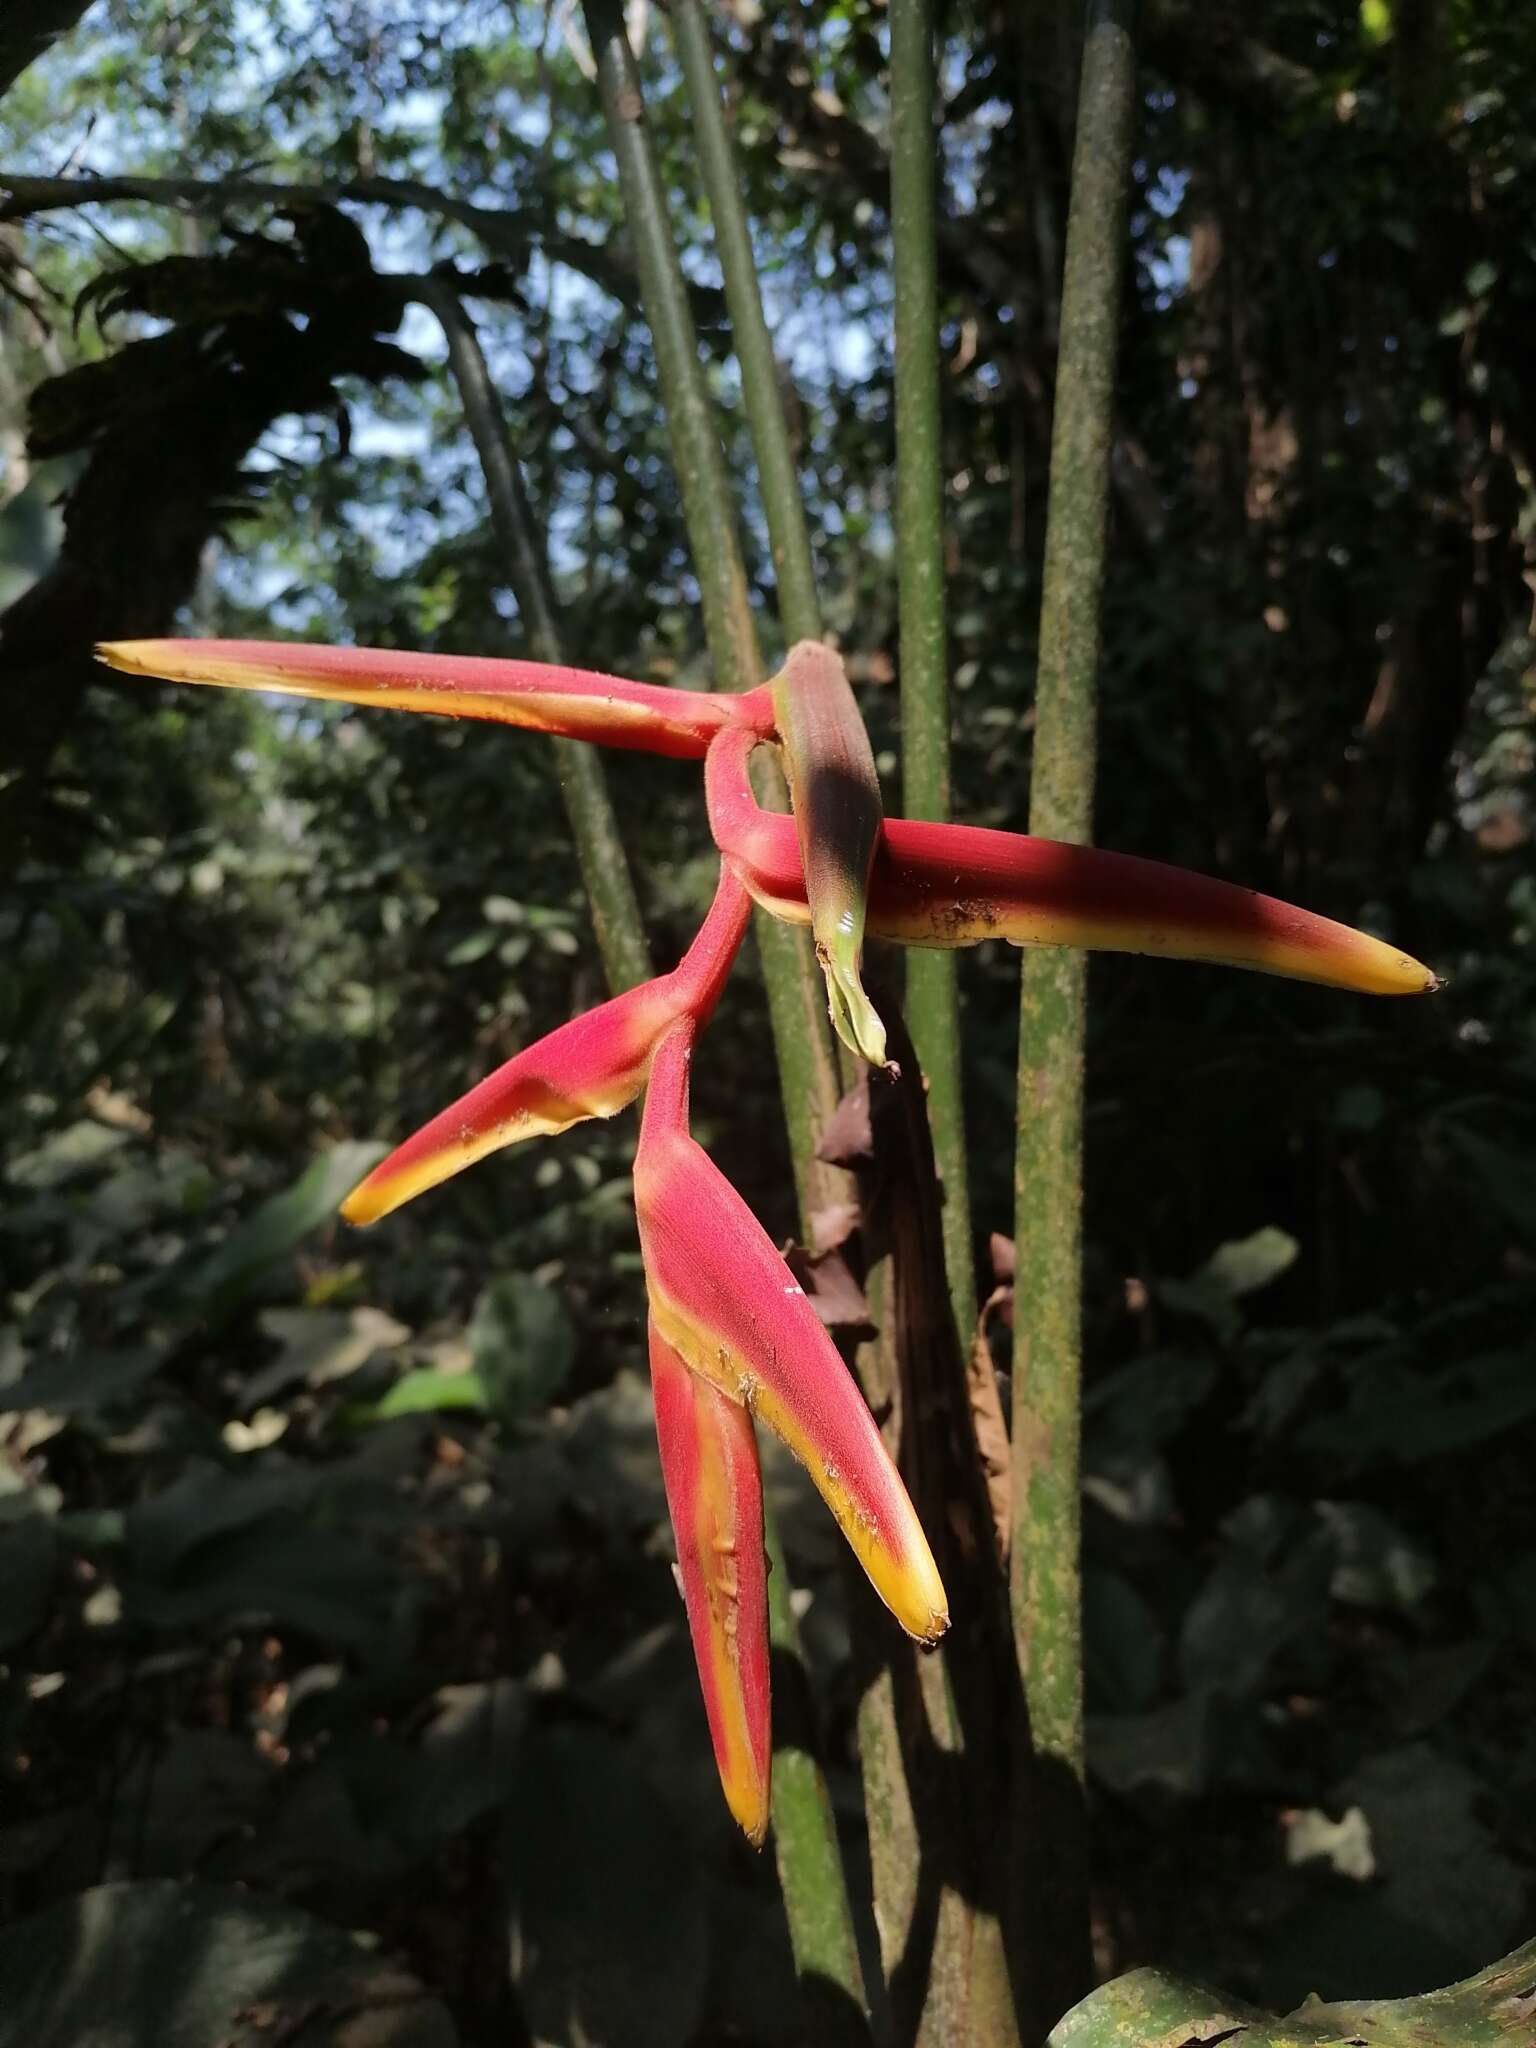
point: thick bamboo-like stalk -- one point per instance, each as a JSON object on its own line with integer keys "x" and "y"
{"x": 805, "y": 1839}
{"x": 932, "y": 1005}
{"x": 954, "y": 1983}
{"x": 933, "y": 1741}
{"x": 604, "y": 866}
{"x": 1045, "y": 1561}
{"x": 796, "y": 998}
{"x": 793, "y": 567}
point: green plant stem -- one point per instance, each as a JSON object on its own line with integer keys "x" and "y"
{"x": 599, "y": 849}
{"x": 805, "y": 1843}
{"x": 1045, "y": 1586}
{"x": 933, "y": 1748}
{"x": 794, "y": 569}
{"x": 932, "y": 1006}
{"x": 696, "y": 452}
{"x": 796, "y": 997}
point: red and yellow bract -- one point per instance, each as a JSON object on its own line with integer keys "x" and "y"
{"x": 733, "y": 1339}
{"x": 579, "y": 703}
{"x": 955, "y": 885}
{"x": 731, "y": 1309}
{"x": 594, "y": 1066}
{"x": 715, "y": 1494}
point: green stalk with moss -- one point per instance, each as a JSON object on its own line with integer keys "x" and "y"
{"x": 1051, "y": 1843}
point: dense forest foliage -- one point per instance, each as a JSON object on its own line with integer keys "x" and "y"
{"x": 336, "y": 1566}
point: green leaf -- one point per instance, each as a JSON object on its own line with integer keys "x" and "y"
{"x": 1443, "y": 1874}
{"x": 1413, "y": 1415}
{"x": 1246, "y": 1264}
{"x": 1153, "y": 2009}
{"x": 1148, "y": 1400}
{"x": 206, "y": 1502}
{"x": 522, "y": 1345}
{"x": 171, "y": 1965}
{"x": 1170, "y": 1749}
{"x": 1268, "y": 1592}
{"x": 465, "y": 1764}
{"x": 224, "y": 1280}
{"x": 1482, "y": 277}
{"x": 424, "y": 1393}
{"x": 1378, "y": 1565}
{"x": 68, "y": 1154}
{"x": 89, "y": 1381}
{"x": 1501, "y": 1177}
{"x": 327, "y": 1584}
{"x": 469, "y": 950}
{"x": 217, "y": 1547}
{"x": 1240, "y": 1267}
{"x": 319, "y": 1345}
{"x": 1122, "y": 1642}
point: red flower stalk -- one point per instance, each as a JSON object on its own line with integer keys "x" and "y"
{"x": 732, "y": 1337}
{"x": 594, "y": 1066}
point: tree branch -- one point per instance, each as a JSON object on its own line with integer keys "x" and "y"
{"x": 821, "y": 138}
{"x": 29, "y": 26}
{"x": 508, "y": 232}
{"x": 583, "y": 785}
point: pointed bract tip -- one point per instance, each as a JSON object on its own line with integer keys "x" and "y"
{"x": 362, "y": 1207}
{"x": 592, "y": 1067}
{"x": 930, "y": 1637}
{"x": 854, "y": 1017}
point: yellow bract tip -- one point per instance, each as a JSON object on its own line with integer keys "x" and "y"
{"x": 854, "y": 1017}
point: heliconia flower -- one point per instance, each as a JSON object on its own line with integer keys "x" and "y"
{"x": 835, "y": 793}
{"x": 725, "y": 1301}
{"x": 954, "y": 885}
{"x": 574, "y": 702}
{"x": 594, "y": 1066}
{"x": 733, "y": 1338}
{"x": 715, "y": 1494}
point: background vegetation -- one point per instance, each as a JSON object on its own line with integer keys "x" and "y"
{"x": 272, "y": 1612}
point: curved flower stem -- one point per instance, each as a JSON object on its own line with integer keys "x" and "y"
{"x": 600, "y": 850}
{"x": 794, "y": 569}
{"x": 932, "y": 1005}
{"x": 1045, "y": 1555}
